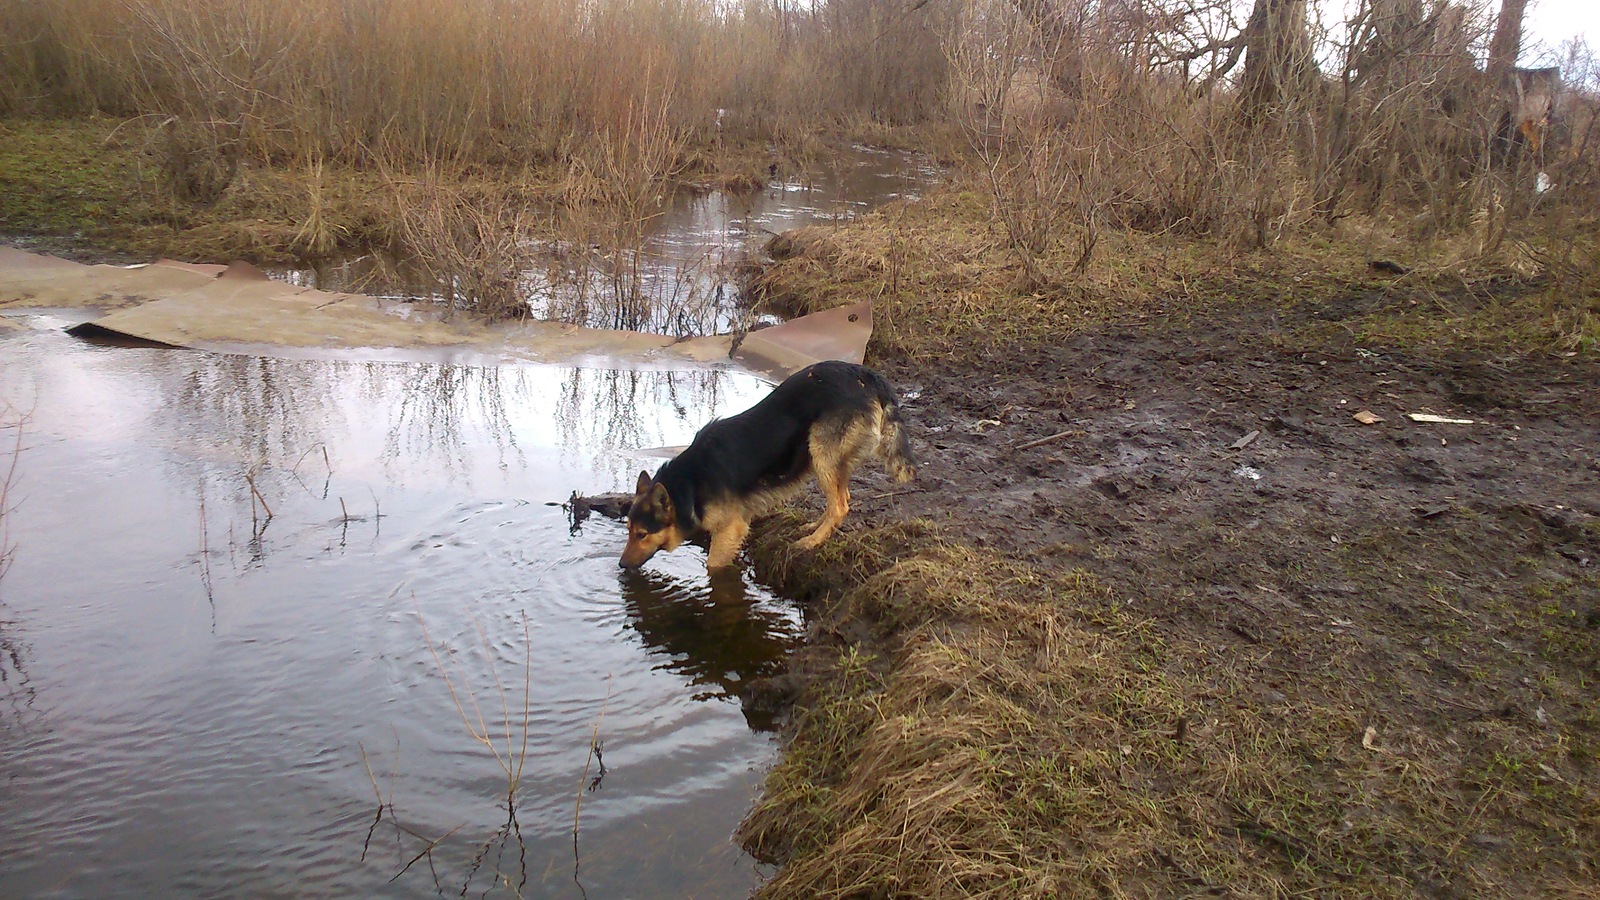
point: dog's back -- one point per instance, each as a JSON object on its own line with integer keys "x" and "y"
{"x": 815, "y": 416}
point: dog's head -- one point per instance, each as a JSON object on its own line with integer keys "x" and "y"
{"x": 652, "y": 523}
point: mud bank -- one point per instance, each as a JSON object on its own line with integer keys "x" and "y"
{"x": 1163, "y": 617}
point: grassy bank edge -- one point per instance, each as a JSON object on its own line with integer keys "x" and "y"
{"x": 972, "y": 725}
{"x": 100, "y": 188}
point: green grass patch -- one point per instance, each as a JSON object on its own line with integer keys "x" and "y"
{"x": 78, "y": 179}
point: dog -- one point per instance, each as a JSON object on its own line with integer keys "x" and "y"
{"x": 821, "y": 420}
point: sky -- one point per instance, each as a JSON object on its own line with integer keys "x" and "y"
{"x": 1550, "y": 23}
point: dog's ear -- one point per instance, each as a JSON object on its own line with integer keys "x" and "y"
{"x": 644, "y": 484}
{"x": 660, "y": 501}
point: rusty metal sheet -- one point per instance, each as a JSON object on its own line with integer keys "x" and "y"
{"x": 32, "y": 280}
{"x": 839, "y": 333}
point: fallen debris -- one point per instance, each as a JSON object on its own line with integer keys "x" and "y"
{"x": 1367, "y": 417}
{"x": 1245, "y": 441}
{"x": 612, "y": 506}
{"x": 1431, "y": 419}
{"x": 1045, "y": 440}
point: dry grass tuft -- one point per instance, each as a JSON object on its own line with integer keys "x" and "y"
{"x": 945, "y": 281}
{"x": 474, "y": 247}
{"x": 1008, "y": 731}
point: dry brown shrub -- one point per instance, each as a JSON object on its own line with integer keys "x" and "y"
{"x": 473, "y": 246}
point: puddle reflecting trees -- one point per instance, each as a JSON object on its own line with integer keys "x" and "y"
{"x": 202, "y": 646}
{"x": 16, "y": 689}
{"x": 614, "y": 412}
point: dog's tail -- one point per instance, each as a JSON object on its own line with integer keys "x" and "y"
{"x": 894, "y": 444}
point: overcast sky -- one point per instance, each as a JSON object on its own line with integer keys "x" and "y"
{"x": 1550, "y": 23}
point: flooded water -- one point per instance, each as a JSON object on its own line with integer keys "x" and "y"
{"x": 683, "y": 274}
{"x": 304, "y": 627}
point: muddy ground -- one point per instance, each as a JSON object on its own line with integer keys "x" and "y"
{"x": 1155, "y": 455}
{"x": 1431, "y": 591}
{"x": 1250, "y": 545}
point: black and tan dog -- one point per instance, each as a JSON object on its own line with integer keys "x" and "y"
{"x": 823, "y": 419}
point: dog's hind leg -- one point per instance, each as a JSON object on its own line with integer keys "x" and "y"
{"x": 835, "y": 484}
{"x": 725, "y": 544}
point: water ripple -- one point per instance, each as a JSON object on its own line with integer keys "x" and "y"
{"x": 225, "y": 702}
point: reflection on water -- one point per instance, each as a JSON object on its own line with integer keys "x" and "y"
{"x": 600, "y": 408}
{"x": 680, "y": 278}
{"x": 16, "y": 690}
{"x": 710, "y": 631}
{"x": 260, "y": 606}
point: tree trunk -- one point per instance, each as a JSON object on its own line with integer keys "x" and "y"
{"x": 1279, "y": 66}
{"x": 1059, "y": 26}
{"x": 1507, "y": 43}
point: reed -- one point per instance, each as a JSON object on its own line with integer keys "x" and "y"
{"x": 487, "y": 81}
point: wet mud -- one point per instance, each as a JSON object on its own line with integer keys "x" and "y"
{"x": 1131, "y": 437}
{"x": 1153, "y": 430}
{"x": 1436, "y": 583}
{"x": 1214, "y": 473}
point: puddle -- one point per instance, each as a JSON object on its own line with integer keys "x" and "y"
{"x": 196, "y": 699}
{"x": 685, "y": 269}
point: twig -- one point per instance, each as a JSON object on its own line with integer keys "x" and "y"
{"x": 19, "y": 422}
{"x": 583, "y": 782}
{"x": 887, "y": 494}
{"x": 1045, "y": 440}
{"x": 377, "y": 513}
{"x": 250, "y": 479}
{"x": 205, "y": 563}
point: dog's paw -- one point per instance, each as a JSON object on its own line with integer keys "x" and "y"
{"x": 810, "y": 542}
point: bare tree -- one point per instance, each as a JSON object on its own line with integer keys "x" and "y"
{"x": 1279, "y": 64}
{"x": 1059, "y": 25}
{"x": 1507, "y": 42}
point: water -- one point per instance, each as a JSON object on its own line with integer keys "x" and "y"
{"x": 685, "y": 268}
{"x": 198, "y": 699}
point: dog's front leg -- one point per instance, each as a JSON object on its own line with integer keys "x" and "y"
{"x": 835, "y": 484}
{"x": 725, "y": 544}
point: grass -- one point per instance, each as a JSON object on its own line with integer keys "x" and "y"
{"x": 97, "y": 186}
{"x": 980, "y": 726}
{"x": 74, "y": 179}
{"x": 945, "y": 283}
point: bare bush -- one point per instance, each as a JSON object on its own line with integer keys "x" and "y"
{"x": 1238, "y": 123}
{"x": 616, "y": 187}
{"x": 1195, "y": 119}
{"x": 503, "y": 81}
{"x": 475, "y": 249}
{"x": 1039, "y": 156}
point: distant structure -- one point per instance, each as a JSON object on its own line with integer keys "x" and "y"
{"x": 1528, "y": 97}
